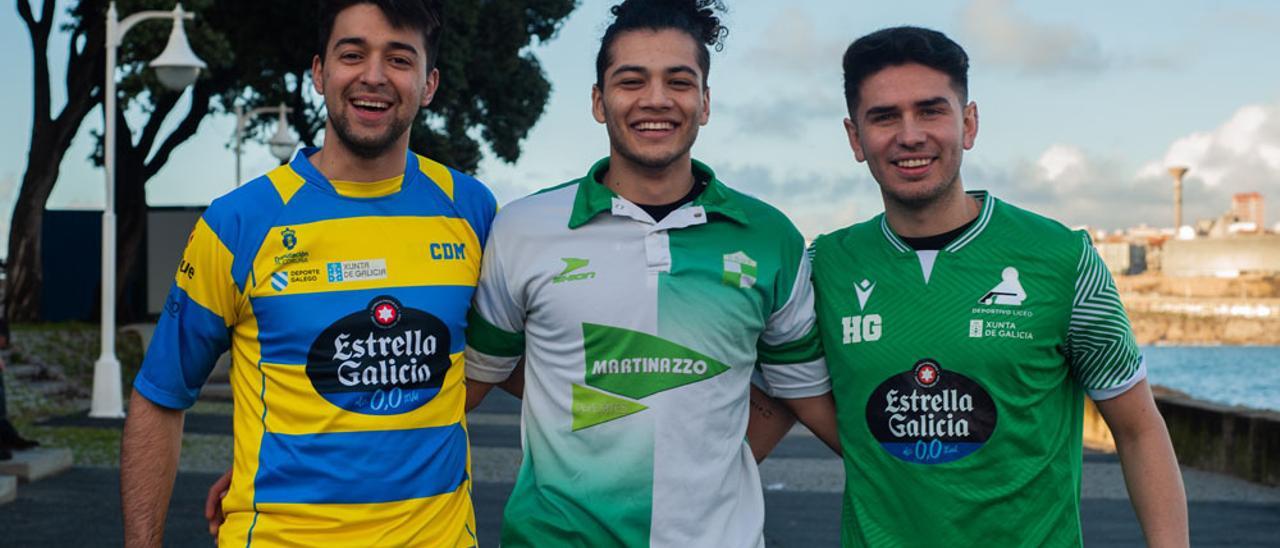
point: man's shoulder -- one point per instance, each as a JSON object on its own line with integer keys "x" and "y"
{"x": 858, "y": 234}
{"x": 1016, "y": 222}
{"x": 762, "y": 217}
{"x": 550, "y": 206}
{"x": 458, "y": 185}
{"x": 256, "y": 202}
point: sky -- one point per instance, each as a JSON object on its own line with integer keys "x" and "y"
{"x": 1083, "y": 105}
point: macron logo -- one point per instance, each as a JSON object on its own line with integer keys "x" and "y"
{"x": 864, "y": 289}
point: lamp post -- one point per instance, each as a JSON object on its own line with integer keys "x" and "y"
{"x": 176, "y": 67}
{"x": 282, "y": 144}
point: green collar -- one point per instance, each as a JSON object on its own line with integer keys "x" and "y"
{"x": 984, "y": 217}
{"x": 594, "y": 198}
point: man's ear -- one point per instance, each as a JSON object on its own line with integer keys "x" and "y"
{"x": 970, "y": 124}
{"x": 597, "y": 103}
{"x": 433, "y": 84}
{"x": 317, "y": 74}
{"x": 851, "y": 129}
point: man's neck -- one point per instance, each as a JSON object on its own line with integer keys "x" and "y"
{"x": 646, "y": 186}
{"x": 339, "y": 163}
{"x": 946, "y": 213}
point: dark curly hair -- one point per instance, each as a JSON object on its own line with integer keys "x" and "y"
{"x": 697, "y": 18}
{"x": 899, "y": 46}
{"x": 425, "y": 16}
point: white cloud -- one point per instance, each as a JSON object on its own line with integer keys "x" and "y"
{"x": 1004, "y": 35}
{"x": 1079, "y": 187}
{"x": 1241, "y": 154}
{"x": 1008, "y": 36}
{"x": 791, "y": 43}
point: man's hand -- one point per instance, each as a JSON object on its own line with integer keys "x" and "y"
{"x": 213, "y": 503}
{"x": 1150, "y": 467}
{"x": 148, "y": 463}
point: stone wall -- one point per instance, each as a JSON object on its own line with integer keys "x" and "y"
{"x": 1244, "y": 443}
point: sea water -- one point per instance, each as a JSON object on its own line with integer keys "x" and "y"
{"x": 1247, "y": 376}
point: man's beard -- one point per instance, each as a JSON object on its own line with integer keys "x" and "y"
{"x": 648, "y": 162}
{"x": 369, "y": 147}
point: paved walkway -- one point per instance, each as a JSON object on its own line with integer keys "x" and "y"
{"x": 802, "y": 494}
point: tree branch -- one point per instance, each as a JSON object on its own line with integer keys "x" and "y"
{"x": 156, "y": 118}
{"x": 39, "y": 31}
{"x": 200, "y": 97}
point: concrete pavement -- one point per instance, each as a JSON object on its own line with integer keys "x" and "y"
{"x": 802, "y": 495}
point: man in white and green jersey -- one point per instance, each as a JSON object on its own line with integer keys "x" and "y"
{"x": 962, "y": 332}
{"x": 642, "y": 297}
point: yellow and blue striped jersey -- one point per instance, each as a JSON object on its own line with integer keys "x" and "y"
{"x": 344, "y": 307}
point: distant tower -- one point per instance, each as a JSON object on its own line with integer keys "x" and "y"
{"x": 1177, "y": 172}
{"x": 1247, "y": 207}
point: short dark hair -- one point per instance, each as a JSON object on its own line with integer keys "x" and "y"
{"x": 900, "y": 46}
{"x": 697, "y": 18}
{"x": 422, "y": 15}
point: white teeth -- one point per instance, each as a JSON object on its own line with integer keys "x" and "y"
{"x": 654, "y": 125}
{"x": 914, "y": 162}
{"x": 370, "y": 104}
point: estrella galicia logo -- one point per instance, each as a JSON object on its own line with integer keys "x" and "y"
{"x": 385, "y": 359}
{"x": 926, "y": 415}
{"x": 289, "y": 238}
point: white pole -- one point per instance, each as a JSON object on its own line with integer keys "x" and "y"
{"x": 107, "y": 393}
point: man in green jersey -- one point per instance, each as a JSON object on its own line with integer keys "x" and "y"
{"x": 641, "y": 298}
{"x": 962, "y": 332}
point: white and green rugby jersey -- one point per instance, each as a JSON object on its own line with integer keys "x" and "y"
{"x": 959, "y": 376}
{"x": 640, "y": 339}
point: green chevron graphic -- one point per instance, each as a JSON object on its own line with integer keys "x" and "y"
{"x": 592, "y": 407}
{"x": 636, "y": 365}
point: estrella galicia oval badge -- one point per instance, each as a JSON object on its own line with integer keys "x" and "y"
{"x": 386, "y": 359}
{"x": 928, "y": 415}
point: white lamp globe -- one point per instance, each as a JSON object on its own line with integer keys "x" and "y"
{"x": 177, "y": 66}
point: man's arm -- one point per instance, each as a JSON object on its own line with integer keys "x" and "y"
{"x": 514, "y": 385}
{"x": 769, "y": 422}
{"x": 771, "y": 419}
{"x": 148, "y": 463}
{"x": 1150, "y": 467}
{"x": 818, "y": 414}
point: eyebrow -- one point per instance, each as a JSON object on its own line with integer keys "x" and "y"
{"x": 678, "y": 69}
{"x": 361, "y": 42}
{"x": 924, "y": 103}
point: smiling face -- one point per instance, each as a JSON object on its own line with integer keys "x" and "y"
{"x": 374, "y": 80}
{"x": 653, "y": 100}
{"x": 912, "y": 131}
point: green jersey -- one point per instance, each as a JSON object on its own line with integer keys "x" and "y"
{"x": 959, "y": 377}
{"x": 640, "y": 339}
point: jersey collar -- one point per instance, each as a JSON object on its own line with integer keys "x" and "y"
{"x": 594, "y": 198}
{"x": 302, "y": 165}
{"x": 984, "y": 218}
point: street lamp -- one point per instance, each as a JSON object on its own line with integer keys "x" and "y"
{"x": 282, "y": 143}
{"x": 176, "y": 67}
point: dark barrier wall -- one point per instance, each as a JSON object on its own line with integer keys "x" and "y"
{"x": 1241, "y": 442}
{"x": 72, "y": 261}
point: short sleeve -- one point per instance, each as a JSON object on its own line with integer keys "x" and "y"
{"x": 789, "y": 350}
{"x": 194, "y": 327}
{"x": 1101, "y": 348}
{"x": 495, "y": 324}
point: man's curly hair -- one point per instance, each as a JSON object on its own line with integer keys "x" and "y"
{"x": 697, "y": 18}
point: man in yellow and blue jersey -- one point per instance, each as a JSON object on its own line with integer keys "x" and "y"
{"x": 340, "y": 284}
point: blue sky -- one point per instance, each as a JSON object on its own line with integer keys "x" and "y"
{"x": 1082, "y": 105}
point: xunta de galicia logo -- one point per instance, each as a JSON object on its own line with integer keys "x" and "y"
{"x": 386, "y": 359}
{"x": 929, "y": 415}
